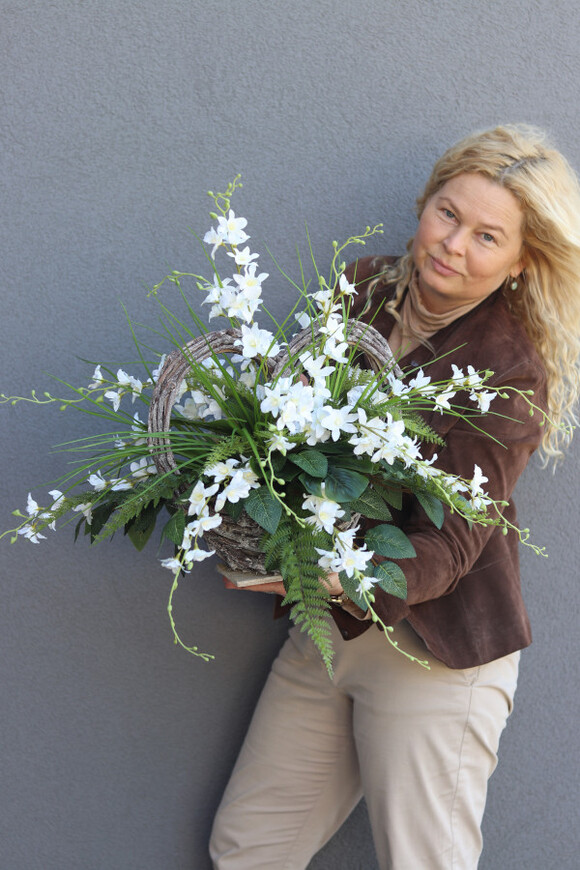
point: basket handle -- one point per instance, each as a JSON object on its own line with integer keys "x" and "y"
{"x": 178, "y": 363}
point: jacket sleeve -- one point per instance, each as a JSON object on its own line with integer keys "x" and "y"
{"x": 502, "y": 449}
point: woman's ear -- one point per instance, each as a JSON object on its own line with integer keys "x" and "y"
{"x": 519, "y": 267}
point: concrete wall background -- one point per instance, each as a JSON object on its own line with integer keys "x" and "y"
{"x": 115, "y": 119}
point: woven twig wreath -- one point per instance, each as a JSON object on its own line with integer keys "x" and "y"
{"x": 238, "y": 541}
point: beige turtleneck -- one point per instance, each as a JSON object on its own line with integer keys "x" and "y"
{"x": 417, "y": 323}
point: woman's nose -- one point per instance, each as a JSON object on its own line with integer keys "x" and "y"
{"x": 455, "y": 242}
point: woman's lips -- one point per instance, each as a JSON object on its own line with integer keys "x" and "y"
{"x": 442, "y": 267}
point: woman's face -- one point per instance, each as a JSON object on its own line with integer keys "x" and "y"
{"x": 469, "y": 240}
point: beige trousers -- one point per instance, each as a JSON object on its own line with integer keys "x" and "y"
{"x": 420, "y": 745}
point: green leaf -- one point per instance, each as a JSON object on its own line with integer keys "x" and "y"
{"x": 391, "y": 579}
{"x": 310, "y": 484}
{"x": 278, "y": 463}
{"x": 174, "y": 528}
{"x": 389, "y": 541}
{"x": 356, "y": 463}
{"x": 140, "y": 529}
{"x": 288, "y": 472}
{"x": 391, "y": 494}
{"x": 372, "y": 505}
{"x": 234, "y": 510}
{"x": 344, "y": 485}
{"x": 432, "y": 507}
{"x": 100, "y": 516}
{"x": 262, "y": 507}
{"x": 350, "y": 586}
{"x": 312, "y": 462}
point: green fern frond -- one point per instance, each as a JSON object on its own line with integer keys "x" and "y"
{"x": 150, "y": 492}
{"x": 292, "y": 551}
{"x": 416, "y": 425}
{"x": 275, "y": 545}
{"x": 224, "y": 449}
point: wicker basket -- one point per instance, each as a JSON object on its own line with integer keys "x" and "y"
{"x": 237, "y": 542}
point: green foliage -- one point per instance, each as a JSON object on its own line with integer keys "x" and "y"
{"x": 150, "y": 494}
{"x": 225, "y": 448}
{"x": 341, "y": 484}
{"x": 141, "y": 526}
{"x": 291, "y": 551}
{"x": 371, "y": 504}
{"x": 174, "y": 528}
{"x": 313, "y": 462}
{"x": 416, "y": 425}
{"x": 389, "y": 541}
{"x": 351, "y": 588}
{"x": 264, "y": 508}
{"x": 391, "y": 579}
{"x": 391, "y": 494}
{"x": 432, "y": 507}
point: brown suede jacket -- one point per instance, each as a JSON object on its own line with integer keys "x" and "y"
{"x": 464, "y": 597}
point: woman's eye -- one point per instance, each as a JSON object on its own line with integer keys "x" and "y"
{"x": 487, "y": 237}
{"x": 448, "y": 213}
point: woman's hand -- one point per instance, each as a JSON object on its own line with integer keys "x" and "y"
{"x": 332, "y": 584}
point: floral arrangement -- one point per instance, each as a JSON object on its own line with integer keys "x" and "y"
{"x": 292, "y": 434}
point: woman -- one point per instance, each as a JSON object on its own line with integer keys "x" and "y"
{"x": 490, "y": 280}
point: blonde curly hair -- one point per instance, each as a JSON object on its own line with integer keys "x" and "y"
{"x": 520, "y": 159}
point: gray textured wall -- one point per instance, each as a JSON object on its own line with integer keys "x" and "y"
{"x": 115, "y": 119}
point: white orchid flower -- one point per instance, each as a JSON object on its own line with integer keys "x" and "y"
{"x": 114, "y": 397}
{"x": 316, "y": 368}
{"x": 30, "y": 533}
{"x": 345, "y": 287}
{"x": 344, "y": 540}
{"x": 279, "y": 443}
{"x": 478, "y": 478}
{"x": 338, "y": 420}
{"x": 203, "y": 524}
{"x": 197, "y": 555}
{"x": 483, "y": 399}
{"x": 57, "y": 499}
{"x": 97, "y": 379}
{"x": 157, "y": 371}
{"x": 324, "y": 511}
{"x": 86, "y": 510}
{"x": 199, "y": 497}
{"x": 32, "y": 508}
{"x": 248, "y": 281}
{"x": 142, "y": 468}
{"x": 97, "y": 481}
{"x": 355, "y": 559}
{"x": 243, "y": 257}
{"x": 329, "y": 561}
{"x": 231, "y": 229}
{"x": 242, "y": 305}
{"x": 221, "y": 471}
{"x": 422, "y": 383}
{"x": 443, "y": 399}
{"x": 257, "y": 342}
{"x": 214, "y": 237}
{"x": 134, "y": 385}
{"x": 365, "y": 584}
{"x": 303, "y": 318}
{"x": 173, "y": 564}
{"x": 120, "y": 484}
{"x": 237, "y": 489}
